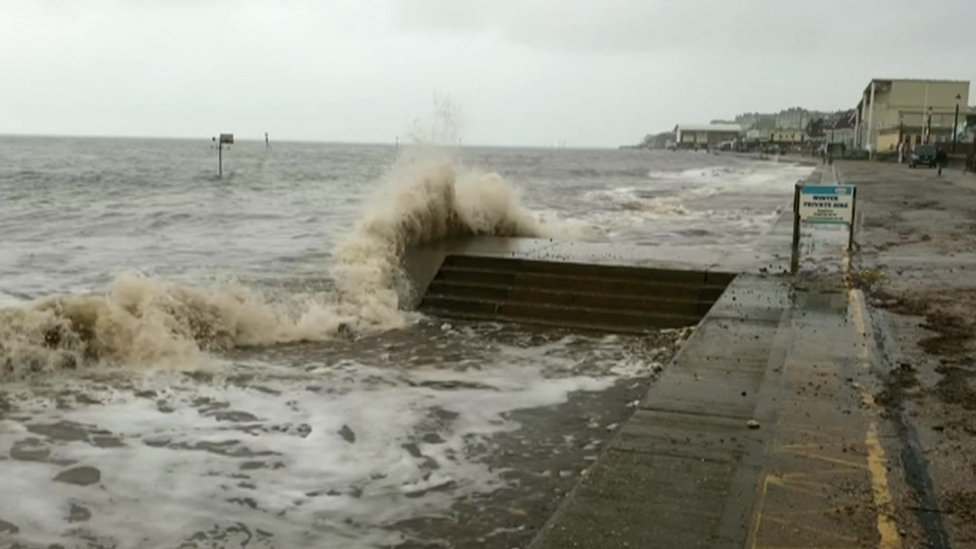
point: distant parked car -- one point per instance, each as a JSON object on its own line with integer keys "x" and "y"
{"x": 922, "y": 154}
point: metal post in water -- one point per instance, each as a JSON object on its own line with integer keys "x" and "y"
{"x": 225, "y": 138}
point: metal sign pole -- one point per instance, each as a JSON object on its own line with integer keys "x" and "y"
{"x": 850, "y": 237}
{"x": 225, "y": 138}
{"x": 795, "y": 257}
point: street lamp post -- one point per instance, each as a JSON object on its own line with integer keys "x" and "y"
{"x": 955, "y": 123}
{"x": 928, "y": 127}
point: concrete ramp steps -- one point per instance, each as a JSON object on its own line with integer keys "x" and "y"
{"x": 574, "y": 295}
{"x": 580, "y": 283}
{"x": 676, "y": 302}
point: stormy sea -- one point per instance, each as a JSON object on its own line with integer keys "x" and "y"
{"x": 189, "y": 360}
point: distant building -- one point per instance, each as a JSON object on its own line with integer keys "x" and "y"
{"x": 792, "y": 118}
{"x": 755, "y": 120}
{"x": 839, "y": 128}
{"x": 758, "y": 135}
{"x": 709, "y": 136}
{"x": 969, "y": 133}
{"x": 787, "y": 136}
{"x": 782, "y": 136}
{"x": 918, "y": 111}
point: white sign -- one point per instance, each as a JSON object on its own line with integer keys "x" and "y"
{"x": 827, "y": 203}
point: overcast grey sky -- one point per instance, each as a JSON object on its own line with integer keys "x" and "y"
{"x": 521, "y": 72}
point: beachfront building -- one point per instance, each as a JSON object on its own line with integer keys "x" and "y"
{"x": 777, "y": 136}
{"x": 787, "y": 136}
{"x": 839, "y": 129}
{"x": 918, "y": 111}
{"x": 705, "y": 136}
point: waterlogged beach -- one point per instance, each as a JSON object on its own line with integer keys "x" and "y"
{"x": 192, "y": 361}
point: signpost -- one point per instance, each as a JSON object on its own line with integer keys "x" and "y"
{"x": 224, "y": 139}
{"x": 822, "y": 204}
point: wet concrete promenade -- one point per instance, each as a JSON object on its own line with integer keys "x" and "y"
{"x": 832, "y": 408}
{"x": 762, "y": 432}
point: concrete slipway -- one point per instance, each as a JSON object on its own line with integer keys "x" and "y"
{"x": 762, "y": 432}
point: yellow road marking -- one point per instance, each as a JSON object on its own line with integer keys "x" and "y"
{"x": 761, "y": 502}
{"x": 887, "y": 528}
{"x": 879, "y": 489}
{"x": 876, "y": 461}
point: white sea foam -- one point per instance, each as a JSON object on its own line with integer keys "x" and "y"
{"x": 9, "y": 300}
{"x": 700, "y": 174}
{"x": 286, "y": 467}
{"x": 677, "y": 196}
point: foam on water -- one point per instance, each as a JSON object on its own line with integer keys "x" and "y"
{"x": 702, "y": 174}
{"x": 426, "y": 195}
{"x": 10, "y": 300}
{"x": 332, "y": 455}
{"x": 320, "y": 444}
{"x": 738, "y": 201}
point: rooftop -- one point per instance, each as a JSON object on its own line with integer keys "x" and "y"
{"x": 708, "y": 128}
{"x": 924, "y": 80}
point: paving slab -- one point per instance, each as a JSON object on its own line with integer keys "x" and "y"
{"x": 602, "y": 509}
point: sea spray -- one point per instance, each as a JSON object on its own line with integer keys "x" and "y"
{"x": 426, "y": 195}
{"x": 143, "y": 321}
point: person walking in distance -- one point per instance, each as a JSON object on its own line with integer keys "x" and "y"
{"x": 941, "y": 159}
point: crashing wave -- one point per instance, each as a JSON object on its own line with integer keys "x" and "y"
{"x": 426, "y": 196}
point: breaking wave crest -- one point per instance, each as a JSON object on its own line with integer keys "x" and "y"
{"x": 426, "y": 196}
{"x": 142, "y": 321}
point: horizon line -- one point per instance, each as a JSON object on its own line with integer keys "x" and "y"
{"x": 303, "y": 140}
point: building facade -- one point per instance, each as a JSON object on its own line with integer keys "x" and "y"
{"x": 709, "y": 136}
{"x": 891, "y": 111}
{"x": 794, "y": 118}
{"x": 788, "y": 136}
